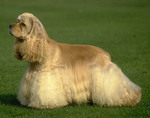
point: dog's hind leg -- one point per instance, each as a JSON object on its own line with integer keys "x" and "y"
{"x": 110, "y": 87}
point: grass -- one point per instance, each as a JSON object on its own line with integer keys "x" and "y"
{"x": 120, "y": 27}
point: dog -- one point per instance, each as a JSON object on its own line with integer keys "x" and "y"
{"x": 61, "y": 74}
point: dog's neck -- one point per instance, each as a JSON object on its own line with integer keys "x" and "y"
{"x": 51, "y": 59}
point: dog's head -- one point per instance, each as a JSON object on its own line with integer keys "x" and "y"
{"x": 31, "y": 37}
{"x": 27, "y": 25}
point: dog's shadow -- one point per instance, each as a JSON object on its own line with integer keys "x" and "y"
{"x": 9, "y": 99}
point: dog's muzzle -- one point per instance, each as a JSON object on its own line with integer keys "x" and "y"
{"x": 10, "y": 28}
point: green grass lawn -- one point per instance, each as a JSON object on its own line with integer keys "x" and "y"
{"x": 121, "y": 27}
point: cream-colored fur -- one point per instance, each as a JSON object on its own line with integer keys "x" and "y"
{"x": 61, "y": 74}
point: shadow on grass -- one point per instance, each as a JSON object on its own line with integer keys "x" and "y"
{"x": 9, "y": 99}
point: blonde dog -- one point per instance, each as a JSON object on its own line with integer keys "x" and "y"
{"x": 60, "y": 74}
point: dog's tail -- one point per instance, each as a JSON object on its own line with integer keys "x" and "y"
{"x": 112, "y": 88}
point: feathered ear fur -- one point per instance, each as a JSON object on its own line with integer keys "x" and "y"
{"x": 33, "y": 48}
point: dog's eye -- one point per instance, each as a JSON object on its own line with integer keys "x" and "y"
{"x": 23, "y": 24}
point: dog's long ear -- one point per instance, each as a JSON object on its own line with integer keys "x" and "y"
{"x": 37, "y": 41}
{"x": 37, "y": 29}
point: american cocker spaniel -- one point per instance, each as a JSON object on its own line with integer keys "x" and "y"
{"x": 60, "y": 74}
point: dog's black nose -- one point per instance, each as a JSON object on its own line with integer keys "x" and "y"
{"x": 10, "y": 26}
